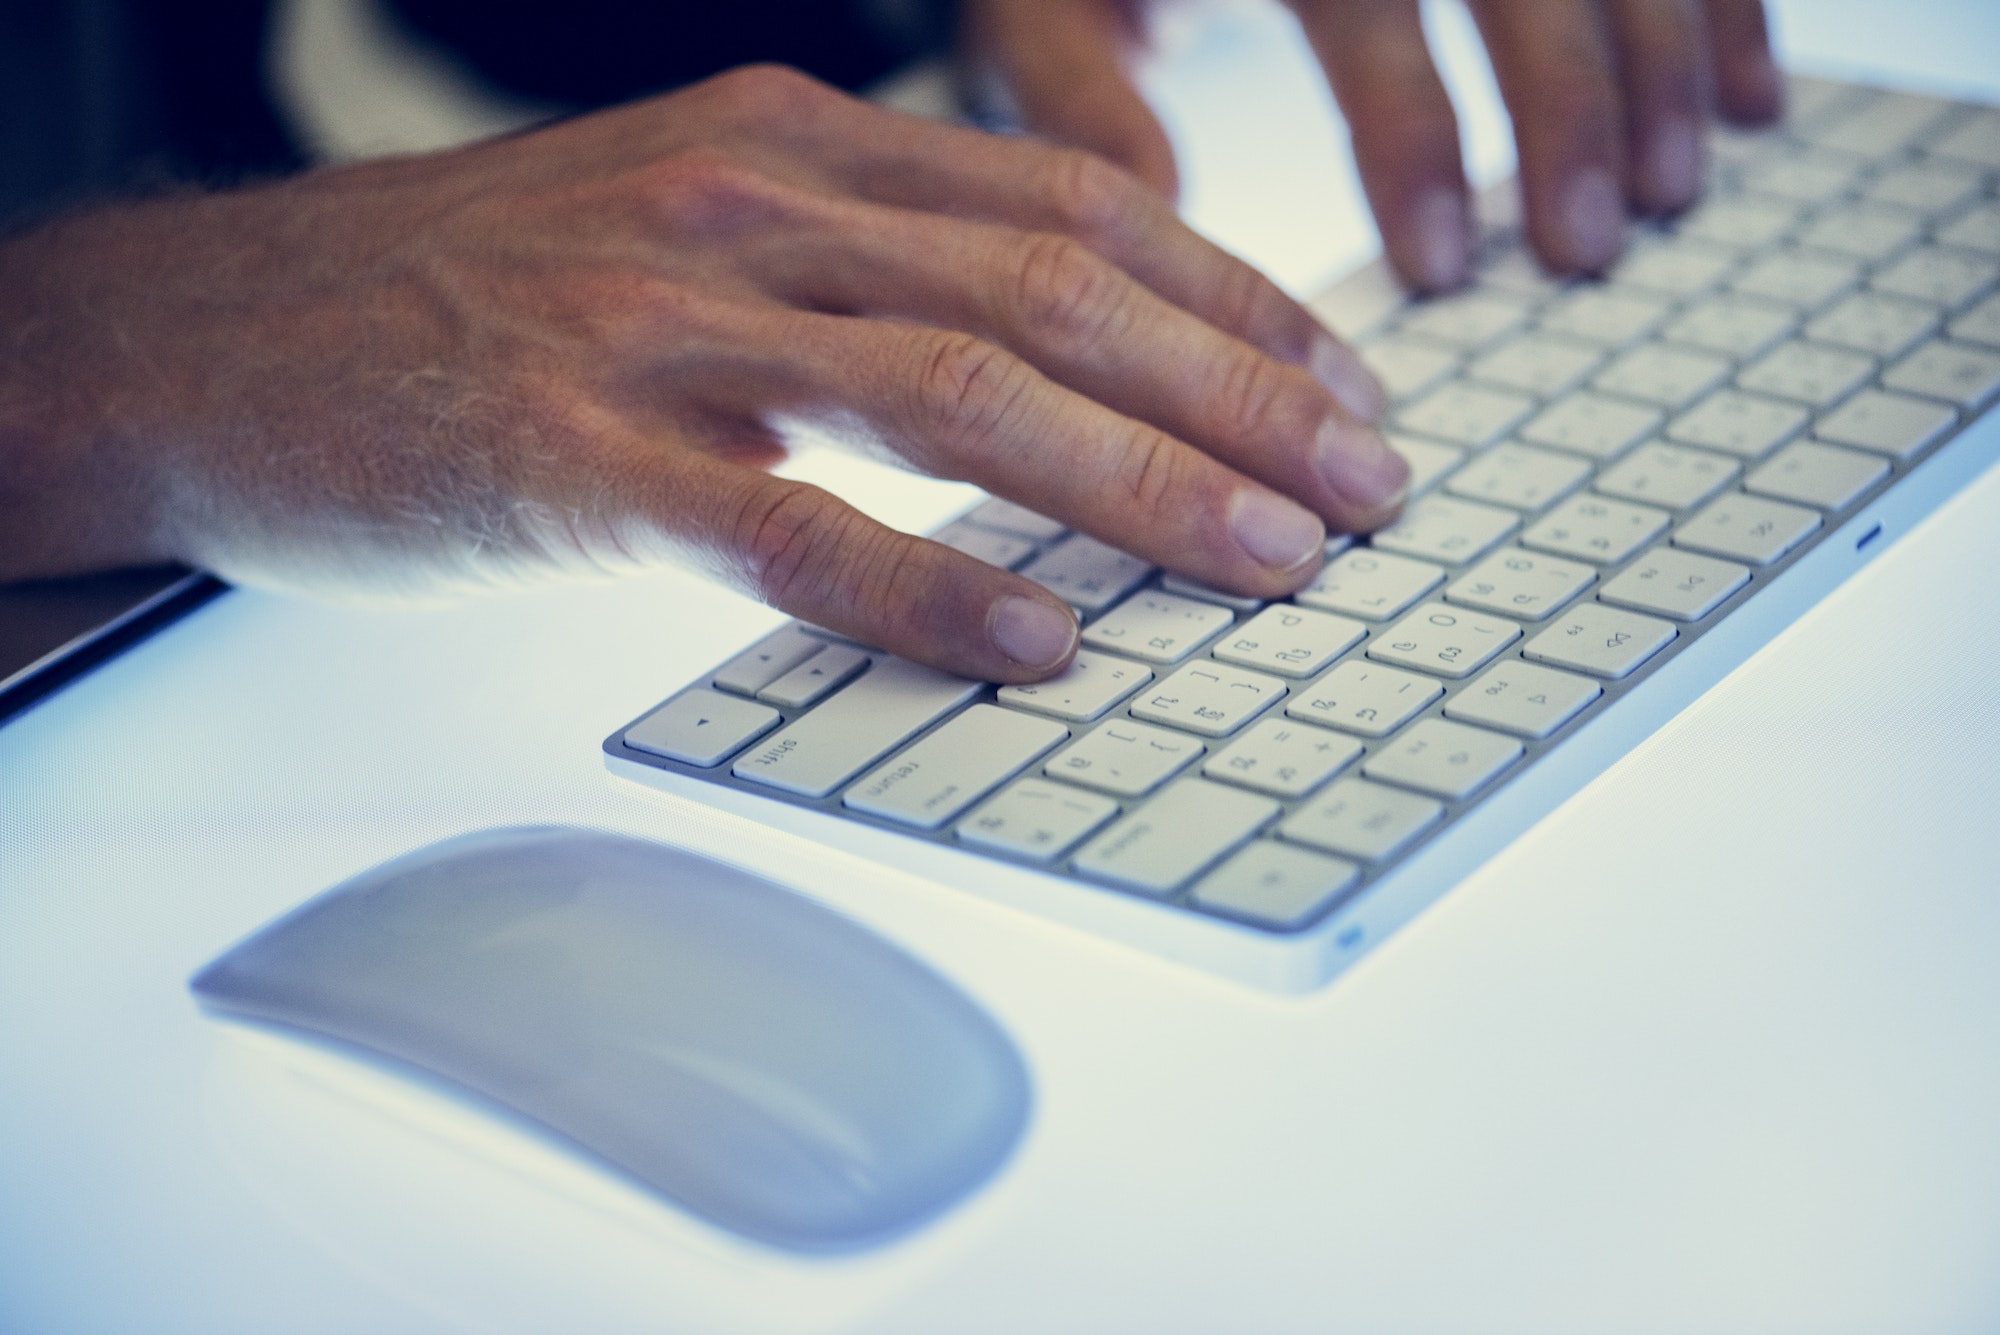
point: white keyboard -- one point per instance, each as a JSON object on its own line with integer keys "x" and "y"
{"x": 1622, "y": 489}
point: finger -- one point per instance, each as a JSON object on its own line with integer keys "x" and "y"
{"x": 1554, "y": 67}
{"x": 1661, "y": 67}
{"x": 809, "y": 554}
{"x": 1062, "y": 62}
{"x": 1405, "y": 135}
{"x": 1087, "y": 325}
{"x": 1748, "y": 87}
{"x": 889, "y": 158}
{"x": 958, "y": 407}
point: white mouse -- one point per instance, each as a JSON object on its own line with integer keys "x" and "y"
{"x": 760, "y": 1060}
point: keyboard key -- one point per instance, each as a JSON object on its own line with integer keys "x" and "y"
{"x": 1931, "y": 188}
{"x": 886, "y": 705}
{"x": 1675, "y": 476}
{"x": 701, "y": 727}
{"x": 1981, "y": 324}
{"x": 1207, "y": 593}
{"x": 1675, "y": 267}
{"x": 1597, "y": 528}
{"x": 1019, "y": 520}
{"x": 1523, "y": 699}
{"x": 1868, "y": 232}
{"x": 1977, "y": 229}
{"x": 1879, "y": 325}
{"x": 1448, "y": 760}
{"x": 1035, "y": 819}
{"x": 953, "y": 767}
{"x": 1520, "y": 584}
{"x": 1806, "y": 175}
{"x": 1747, "y": 528}
{"x": 1407, "y": 366}
{"x": 767, "y": 660}
{"x": 1091, "y": 684}
{"x": 1943, "y": 277}
{"x": 1465, "y": 414}
{"x": 1965, "y": 376}
{"x": 1173, "y": 837}
{"x": 1213, "y": 699}
{"x": 1368, "y": 583}
{"x": 1664, "y": 375}
{"x": 1283, "y": 758}
{"x": 1086, "y": 573}
{"x": 1879, "y": 125}
{"x": 1748, "y": 222}
{"x": 1610, "y": 316}
{"x": 1675, "y": 584}
{"x": 1468, "y": 320}
{"x": 995, "y": 548}
{"x": 1427, "y": 459}
{"x": 1825, "y": 476}
{"x": 1364, "y": 698}
{"x": 1538, "y": 364}
{"x": 1515, "y": 269}
{"x": 1443, "y": 528}
{"x": 1734, "y": 326}
{"x": 1808, "y": 373}
{"x": 1450, "y": 641}
{"x": 1976, "y": 140}
{"x": 1290, "y": 641}
{"x": 1592, "y": 424}
{"x": 1361, "y": 820}
{"x": 1124, "y": 758}
{"x": 1158, "y": 627}
{"x": 1745, "y": 425}
{"x": 1603, "y": 641}
{"x": 832, "y": 666}
{"x": 1519, "y": 476}
{"x": 1803, "y": 279}
{"x": 1275, "y": 885}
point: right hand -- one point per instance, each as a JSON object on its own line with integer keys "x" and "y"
{"x": 578, "y": 348}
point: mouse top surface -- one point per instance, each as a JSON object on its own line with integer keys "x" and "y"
{"x": 759, "y": 1059}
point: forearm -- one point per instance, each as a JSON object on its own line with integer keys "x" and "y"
{"x": 80, "y": 475}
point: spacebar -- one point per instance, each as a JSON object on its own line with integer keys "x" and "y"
{"x": 827, "y": 747}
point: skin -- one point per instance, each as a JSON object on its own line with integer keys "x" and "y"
{"x": 1607, "y": 96}
{"x": 581, "y": 348}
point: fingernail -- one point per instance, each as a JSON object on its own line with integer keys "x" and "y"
{"x": 1673, "y": 164}
{"x": 1335, "y": 366}
{"x": 1274, "y": 531}
{"x": 1443, "y": 233}
{"x": 1593, "y": 213}
{"x": 1031, "y": 632}
{"x": 1358, "y": 463}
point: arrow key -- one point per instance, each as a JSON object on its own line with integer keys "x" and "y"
{"x": 701, "y": 727}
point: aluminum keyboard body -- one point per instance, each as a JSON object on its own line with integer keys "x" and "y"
{"x": 1623, "y": 489}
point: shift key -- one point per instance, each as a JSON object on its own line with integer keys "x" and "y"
{"x": 883, "y": 707}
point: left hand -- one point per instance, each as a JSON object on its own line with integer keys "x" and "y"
{"x": 1608, "y": 99}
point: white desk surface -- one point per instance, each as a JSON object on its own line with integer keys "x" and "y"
{"x": 1711, "y": 1049}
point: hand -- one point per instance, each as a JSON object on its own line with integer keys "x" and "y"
{"x": 1608, "y": 99}
{"x": 579, "y": 348}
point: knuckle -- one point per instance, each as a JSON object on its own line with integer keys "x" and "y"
{"x": 969, "y": 385}
{"x": 1149, "y": 475}
{"x": 1255, "y": 395}
{"x": 767, "y": 94}
{"x": 785, "y": 533}
{"x": 1062, "y": 290}
{"x": 1090, "y": 198}
{"x": 705, "y": 193}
